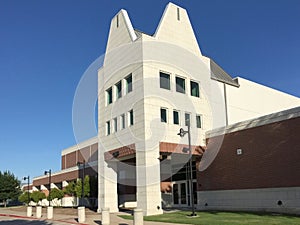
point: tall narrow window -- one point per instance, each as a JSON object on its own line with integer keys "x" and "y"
{"x": 163, "y": 115}
{"x": 117, "y": 20}
{"x": 115, "y": 124}
{"x": 175, "y": 117}
{"x": 194, "y": 89}
{"x": 122, "y": 118}
{"x": 187, "y": 118}
{"x": 128, "y": 81}
{"x": 119, "y": 89}
{"x": 108, "y": 128}
{"x": 178, "y": 14}
{"x": 198, "y": 121}
{"x": 180, "y": 85}
{"x": 164, "y": 80}
{"x": 108, "y": 96}
{"x": 130, "y": 117}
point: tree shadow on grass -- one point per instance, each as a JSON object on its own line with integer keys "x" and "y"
{"x": 24, "y": 222}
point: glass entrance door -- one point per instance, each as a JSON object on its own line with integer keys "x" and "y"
{"x": 181, "y": 193}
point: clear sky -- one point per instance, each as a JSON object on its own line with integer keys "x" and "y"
{"x": 46, "y": 46}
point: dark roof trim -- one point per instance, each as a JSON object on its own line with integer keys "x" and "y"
{"x": 218, "y": 74}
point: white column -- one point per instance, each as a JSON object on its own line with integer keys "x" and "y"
{"x": 38, "y": 212}
{"x": 29, "y": 211}
{"x": 49, "y": 212}
{"x": 107, "y": 179}
{"x": 148, "y": 181}
{"x": 138, "y": 217}
{"x": 81, "y": 214}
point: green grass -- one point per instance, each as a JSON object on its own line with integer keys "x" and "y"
{"x": 222, "y": 218}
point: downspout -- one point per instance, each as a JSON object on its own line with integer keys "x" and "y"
{"x": 225, "y": 103}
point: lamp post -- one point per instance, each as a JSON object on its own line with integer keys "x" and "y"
{"x": 28, "y": 194}
{"x": 82, "y": 180}
{"x": 181, "y": 133}
{"x": 49, "y": 172}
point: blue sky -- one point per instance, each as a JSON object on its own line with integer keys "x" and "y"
{"x": 46, "y": 46}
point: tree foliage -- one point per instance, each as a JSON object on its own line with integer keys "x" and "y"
{"x": 37, "y": 196}
{"x": 75, "y": 189}
{"x": 9, "y": 187}
{"x": 24, "y": 197}
{"x": 55, "y": 193}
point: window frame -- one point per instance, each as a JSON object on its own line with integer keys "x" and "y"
{"x": 115, "y": 124}
{"x": 122, "y": 121}
{"x": 163, "y": 109}
{"x": 178, "y": 87}
{"x": 130, "y": 118}
{"x": 118, "y": 87}
{"x": 178, "y": 117}
{"x": 129, "y": 86}
{"x": 185, "y": 119}
{"x": 201, "y": 124}
{"x": 108, "y": 128}
{"x": 109, "y": 96}
{"x": 198, "y": 89}
{"x": 161, "y": 80}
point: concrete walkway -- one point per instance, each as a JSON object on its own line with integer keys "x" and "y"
{"x": 62, "y": 216}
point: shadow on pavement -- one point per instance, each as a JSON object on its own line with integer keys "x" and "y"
{"x": 23, "y": 222}
{"x": 99, "y": 222}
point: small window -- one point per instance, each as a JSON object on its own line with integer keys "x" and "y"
{"x": 175, "y": 117}
{"x": 115, "y": 125}
{"x": 163, "y": 115}
{"x": 117, "y": 21}
{"x": 122, "y": 121}
{"x": 108, "y": 128}
{"x": 128, "y": 81}
{"x": 198, "y": 121}
{"x": 187, "y": 118}
{"x": 119, "y": 90}
{"x": 194, "y": 89}
{"x": 108, "y": 96}
{"x": 178, "y": 14}
{"x": 164, "y": 80}
{"x": 180, "y": 85}
{"x": 130, "y": 117}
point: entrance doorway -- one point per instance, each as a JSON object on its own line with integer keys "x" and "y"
{"x": 181, "y": 193}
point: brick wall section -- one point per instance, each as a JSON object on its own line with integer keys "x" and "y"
{"x": 71, "y": 159}
{"x": 87, "y": 154}
{"x": 270, "y": 158}
{"x": 63, "y": 162}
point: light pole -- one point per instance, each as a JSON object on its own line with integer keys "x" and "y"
{"x": 49, "y": 172}
{"x": 181, "y": 133}
{"x": 82, "y": 180}
{"x": 28, "y": 194}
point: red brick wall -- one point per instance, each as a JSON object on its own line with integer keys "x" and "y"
{"x": 270, "y": 158}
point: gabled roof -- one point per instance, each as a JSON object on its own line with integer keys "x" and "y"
{"x": 217, "y": 73}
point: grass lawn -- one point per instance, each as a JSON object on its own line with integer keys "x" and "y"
{"x": 220, "y": 218}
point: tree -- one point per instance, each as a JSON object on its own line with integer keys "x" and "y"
{"x": 37, "y": 196}
{"x": 9, "y": 187}
{"x": 70, "y": 189}
{"x": 24, "y": 197}
{"x": 86, "y": 186}
{"x": 55, "y": 193}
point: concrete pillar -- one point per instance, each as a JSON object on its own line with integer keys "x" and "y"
{"x": 138, "y": 217}
{"x": 81, "y": 214}
{"x": 29, "y": 211}
{"x": 107, "y": 180}
{"x": 105, "y": 220}
{"x": 148, "y": 181}
{"x": 38, "y": 212}
{"x": 49, "y": 212}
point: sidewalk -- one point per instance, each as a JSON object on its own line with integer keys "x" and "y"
{"x": 64, "y": 216}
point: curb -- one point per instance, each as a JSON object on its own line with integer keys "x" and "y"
{"x": 32, "y": 218}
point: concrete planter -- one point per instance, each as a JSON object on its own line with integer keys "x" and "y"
{"x": 29, "y": 211}
{"x": 38, "y": 211}
{"x": 50, "y": 212}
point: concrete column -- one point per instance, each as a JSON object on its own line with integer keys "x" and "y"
{"x": 107, "y": 180}
{"x": 81, "y": 214}
{"x": 29, "y": 211}
{"x": 38, "y": 211}
{"x": 105, "y": 220}
{"x": 148, "y": 181}
{"x": 49, "y": 212}
{"x": 138, "y": 217}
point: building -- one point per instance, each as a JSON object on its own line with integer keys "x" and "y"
{"x": 148, "y": 88}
